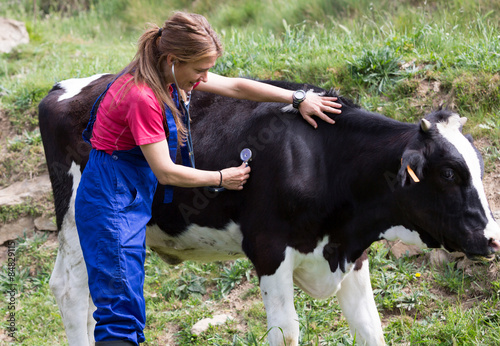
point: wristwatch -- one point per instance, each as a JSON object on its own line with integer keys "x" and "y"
{"x": 298, "y": 97}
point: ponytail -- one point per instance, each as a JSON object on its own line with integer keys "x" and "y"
{"x": 146, "y": 69}
{"x": 189, "y": 37}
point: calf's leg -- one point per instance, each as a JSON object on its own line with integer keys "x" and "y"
{"x": 358, "y": 306}
{"x": 69, "y": 285}
{"x": 277, "y": 294}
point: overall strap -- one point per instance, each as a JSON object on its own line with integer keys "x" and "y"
{"x": 186, "y": 149}
{"x": 87, "y": 133}
{"x": 173, "y": 143}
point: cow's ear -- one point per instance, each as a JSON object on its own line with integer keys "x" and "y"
{"x": 412, "y": 167}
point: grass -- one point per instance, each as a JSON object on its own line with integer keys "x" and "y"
{"x": 399, "y": 58}
{"x": 23, "y": 157}
{"x": 10, "y": 213}
{"x": 450, "y": 306}
{"x": 379, "y": 55}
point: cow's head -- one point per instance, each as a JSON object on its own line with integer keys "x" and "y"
{"x": 440, "y": 191}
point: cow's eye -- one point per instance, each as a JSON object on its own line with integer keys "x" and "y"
{"x": 448, "y": 174}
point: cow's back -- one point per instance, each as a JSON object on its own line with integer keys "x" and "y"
{"x": 63, "y": 114}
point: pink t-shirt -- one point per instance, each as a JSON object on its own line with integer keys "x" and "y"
{"x": 128, "y": 116}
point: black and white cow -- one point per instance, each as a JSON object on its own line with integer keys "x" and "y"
{"x": 315, "y": 201}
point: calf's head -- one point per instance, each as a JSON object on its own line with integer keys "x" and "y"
{"x": 441, "y": 194}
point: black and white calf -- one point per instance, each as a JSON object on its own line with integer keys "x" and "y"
{"x": 315, "y": 201}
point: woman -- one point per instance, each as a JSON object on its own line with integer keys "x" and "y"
{"x": 130, "y": 155}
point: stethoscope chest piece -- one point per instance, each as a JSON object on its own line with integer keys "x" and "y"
{"x": 246, "y": 155}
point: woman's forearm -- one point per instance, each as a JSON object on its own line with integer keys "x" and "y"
{"x": 178, "y": 175}
{"x": 247, "y": 89}
{"x": 168, "y": 173}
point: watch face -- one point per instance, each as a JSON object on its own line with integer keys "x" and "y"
{"x": 300, "y": 94}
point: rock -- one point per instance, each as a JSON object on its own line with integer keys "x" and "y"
{"x": 18, "y": 192}
{"x": 45, "y": 224}
{"x": 465, "y": 263}
{"x": 438, "y": 258}
{"x": 203, "y": 325}
{"x": 399, "y": 249}
{"x": 12, "y": 33}
{"x": 18, "y": 228}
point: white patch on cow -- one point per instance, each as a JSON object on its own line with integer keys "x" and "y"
{"x": 358, "y": 306}
{"x": 73, "y": 86}
{"x": 450, "y": 130}
{"x": 290, "y": 109}
{"x": 312, "y": 272}
{"x": 74, "y": 171}
{"x": 405, "y": 235}
{"x": 68, "y": 281}
{"x": 197, "y": 243}
{"x": 277, "y": 294}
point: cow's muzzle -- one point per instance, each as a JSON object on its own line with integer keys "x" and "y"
{"x": 493, "y": 247}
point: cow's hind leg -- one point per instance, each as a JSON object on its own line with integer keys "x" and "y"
{"x": 70, "y": 287}
{"x": 277, "y": 294}
{"x": 358, "y": 306}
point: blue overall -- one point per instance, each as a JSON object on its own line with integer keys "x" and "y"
{"x": 112, "y": 207}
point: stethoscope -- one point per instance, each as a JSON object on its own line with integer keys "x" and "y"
{"x": 185, "y": 108}
{"x": 245, "y": 154}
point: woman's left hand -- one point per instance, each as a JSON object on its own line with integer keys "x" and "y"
{"x": 318, "y": 105}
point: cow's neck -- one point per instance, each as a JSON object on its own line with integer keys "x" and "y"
{"x": 360, "y": 229}
{"x": 378, "y": 144}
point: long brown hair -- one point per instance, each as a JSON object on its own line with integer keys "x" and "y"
{"x": 187, "y": 36}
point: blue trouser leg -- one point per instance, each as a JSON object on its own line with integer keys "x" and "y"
{"x": 112, "y": 208}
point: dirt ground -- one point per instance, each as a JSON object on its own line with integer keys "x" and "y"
{"x": 491, "y": 183}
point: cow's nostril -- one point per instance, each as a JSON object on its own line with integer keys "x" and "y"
{"x": 494, "y": 244}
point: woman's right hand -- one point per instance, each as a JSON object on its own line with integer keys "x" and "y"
{"x": 234, "y": 178}
{"x": 168, "y": 173}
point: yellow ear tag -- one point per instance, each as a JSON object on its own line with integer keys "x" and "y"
{"x": 412, "y": 174}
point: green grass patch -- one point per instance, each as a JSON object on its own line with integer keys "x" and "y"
{"x": 30, "y": 207}
{"x": 443, "y": 306}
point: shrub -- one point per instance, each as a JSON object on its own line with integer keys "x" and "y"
{"x": 377, "y": 68}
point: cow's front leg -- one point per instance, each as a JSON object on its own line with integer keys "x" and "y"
{"x": 358, "y": 306}
{"x": 69, "y": 285}
{"x": 277, "y": 294}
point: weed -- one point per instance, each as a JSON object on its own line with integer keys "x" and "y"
{"x": 189, "y": 284}
{"x": 453, "y": 278}
{"x": 378, "y": 69}
{"x": 18, "y": 143}
{"x": 250, "y": 340}
{"x": 21, "y": 107}
{"x": 491, "y": 157}
{"x": 9, "y": 213}
{"x": 232, "y": 276}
